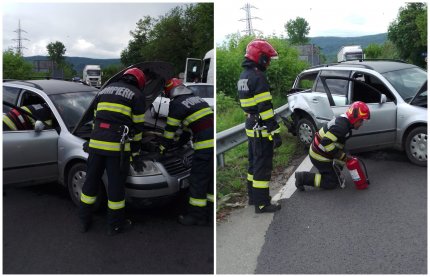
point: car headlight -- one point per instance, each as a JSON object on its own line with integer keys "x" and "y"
{"x": 149, "y": 169}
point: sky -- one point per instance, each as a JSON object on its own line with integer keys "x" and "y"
{"x": 102, "y": 29}
{"x": 92, "y": 30}
{"x": 343, "y": 18}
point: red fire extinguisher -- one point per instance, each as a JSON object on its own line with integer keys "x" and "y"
{"x": 358, "y": 175}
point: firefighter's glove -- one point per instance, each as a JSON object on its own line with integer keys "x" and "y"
{"x": 137, "y": 163}
{"x": 277, "y": 140}
{"x": 86, "y": 146}
{"x": 184, "y": 138}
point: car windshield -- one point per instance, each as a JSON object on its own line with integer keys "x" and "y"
{"x": 93, "y": 72}
{"x": 203, "y": 91}
{"x": 407, "y": 81}
{"x": 72, "y": 106}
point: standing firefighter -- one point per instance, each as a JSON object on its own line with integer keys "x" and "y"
{"x": 261, "y": 127}
{"x": 195, "y": 115}
{"x": 327, "y": 148}
{"x": 119, "y": 111}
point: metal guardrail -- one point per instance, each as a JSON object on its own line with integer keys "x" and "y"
{"x": 236, "y": 135}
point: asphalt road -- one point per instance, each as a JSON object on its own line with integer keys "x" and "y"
{"x": 40, "y": 236}
{"x": 381, "y": 230}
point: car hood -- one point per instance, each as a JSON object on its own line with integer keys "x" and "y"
{"x": 158, "y": 72}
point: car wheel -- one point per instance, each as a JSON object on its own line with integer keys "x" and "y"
{"x": 305, "y": 131}
{"x": 416, "y": 146}
{"x": 75, "y": 182}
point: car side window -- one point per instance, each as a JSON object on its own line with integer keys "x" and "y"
{"x": 361, "y": 92}
{"x": 336, "y": 86}
{"x": 10, "y": 94}
{"x": 307, "y": 80}
{"x": 31, "y": 98}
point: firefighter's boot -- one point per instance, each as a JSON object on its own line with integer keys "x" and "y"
{"x": 267, "y": 208}
{"x": 299, "y": 181}
{"x": 85, "y": 217}
{"x": 189, "y": 220}
{"x": 195, "y": 216}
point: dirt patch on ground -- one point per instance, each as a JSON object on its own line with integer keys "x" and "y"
{"x": 280, "y": 176}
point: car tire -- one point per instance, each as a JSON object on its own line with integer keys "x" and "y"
{"x": 75, "y": 181}
{"x": 305, "y": 130}
{"x": 416, "y": 146}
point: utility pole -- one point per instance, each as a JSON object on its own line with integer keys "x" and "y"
{"x": 249, "y": 29}
{"x": 19, "y": 40}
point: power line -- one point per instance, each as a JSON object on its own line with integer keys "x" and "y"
{"x": 249, "y": 29}
{"x": 19, "y": 40}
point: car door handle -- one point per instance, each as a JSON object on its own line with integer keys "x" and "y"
{"x": 315, "y": 100}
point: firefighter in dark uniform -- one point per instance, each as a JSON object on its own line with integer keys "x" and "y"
{"x": 16, "y": 120}
{"x": 327, "y": 148}
{"x": 194, "y": 114}
{"x": 119, "y": 111}
{"x": 261, "y": 127}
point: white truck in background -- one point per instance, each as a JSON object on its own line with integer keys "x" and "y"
{"x": 347, "y": 53}
{"x": 200, "y": 71}
{"x": 92, "y": 75}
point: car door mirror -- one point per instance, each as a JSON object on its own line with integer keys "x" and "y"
{"x": 383, "y": 99}
{"x": 39, "y": 126}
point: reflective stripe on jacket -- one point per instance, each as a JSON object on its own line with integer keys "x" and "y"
{"x": 254, "y": 95}
{"x": 193, "y": 113}
{"x": 117, "y": 105}
{"x": 329, "y": 141}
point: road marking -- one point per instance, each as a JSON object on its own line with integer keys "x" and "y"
{"x": 290, "y": 187}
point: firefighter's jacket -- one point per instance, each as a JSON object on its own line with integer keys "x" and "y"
{"x": 254, "y": 95}
{"x": 329, "y": 141}
{"x": 195, "y": 115}
{"x": 17, "y": 120}
{"x": 117, "y": 105}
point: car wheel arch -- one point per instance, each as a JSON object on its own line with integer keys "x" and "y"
{"x": 408, "y": 137}
{"x": 67, "y": 171}
{"x": 408, "y": 130}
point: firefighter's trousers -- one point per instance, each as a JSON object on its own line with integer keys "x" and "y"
{"x": 96, "y": 165}
{"x": 326, "y": 177}
{"x": 200, "y": 203}
{"x": 260, "y": 155}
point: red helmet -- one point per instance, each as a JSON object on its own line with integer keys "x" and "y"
{"x": 138, "y": 74}
{"x": 358, "y": 110}
{"x": 171, "y": 84}
{"x": 260, "y": 52}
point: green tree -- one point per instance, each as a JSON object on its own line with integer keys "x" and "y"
{"x": 56, "y": 51}
{"x": 297, "y": 30}
{"x": 183, "y": 32}
{"x": 409, "y": 32}
{"x": 373, "y": 51}
{"x": 280, "y": 74}
{"x": 110, "y": 70}
{"x": 15, "y": 67}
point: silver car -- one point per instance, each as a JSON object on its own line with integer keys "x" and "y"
{"x": 55, "y": 153}
{"x": 395, "y": 92}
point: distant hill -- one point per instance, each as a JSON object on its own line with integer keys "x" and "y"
{"x": 331, "y": 45}
{"x": 80, "y": 62}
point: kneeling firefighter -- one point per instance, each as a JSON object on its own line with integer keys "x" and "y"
{"x": 327, "y": 148}
{"x": 196, "y": 116}
{"x": 119, "y": 112}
